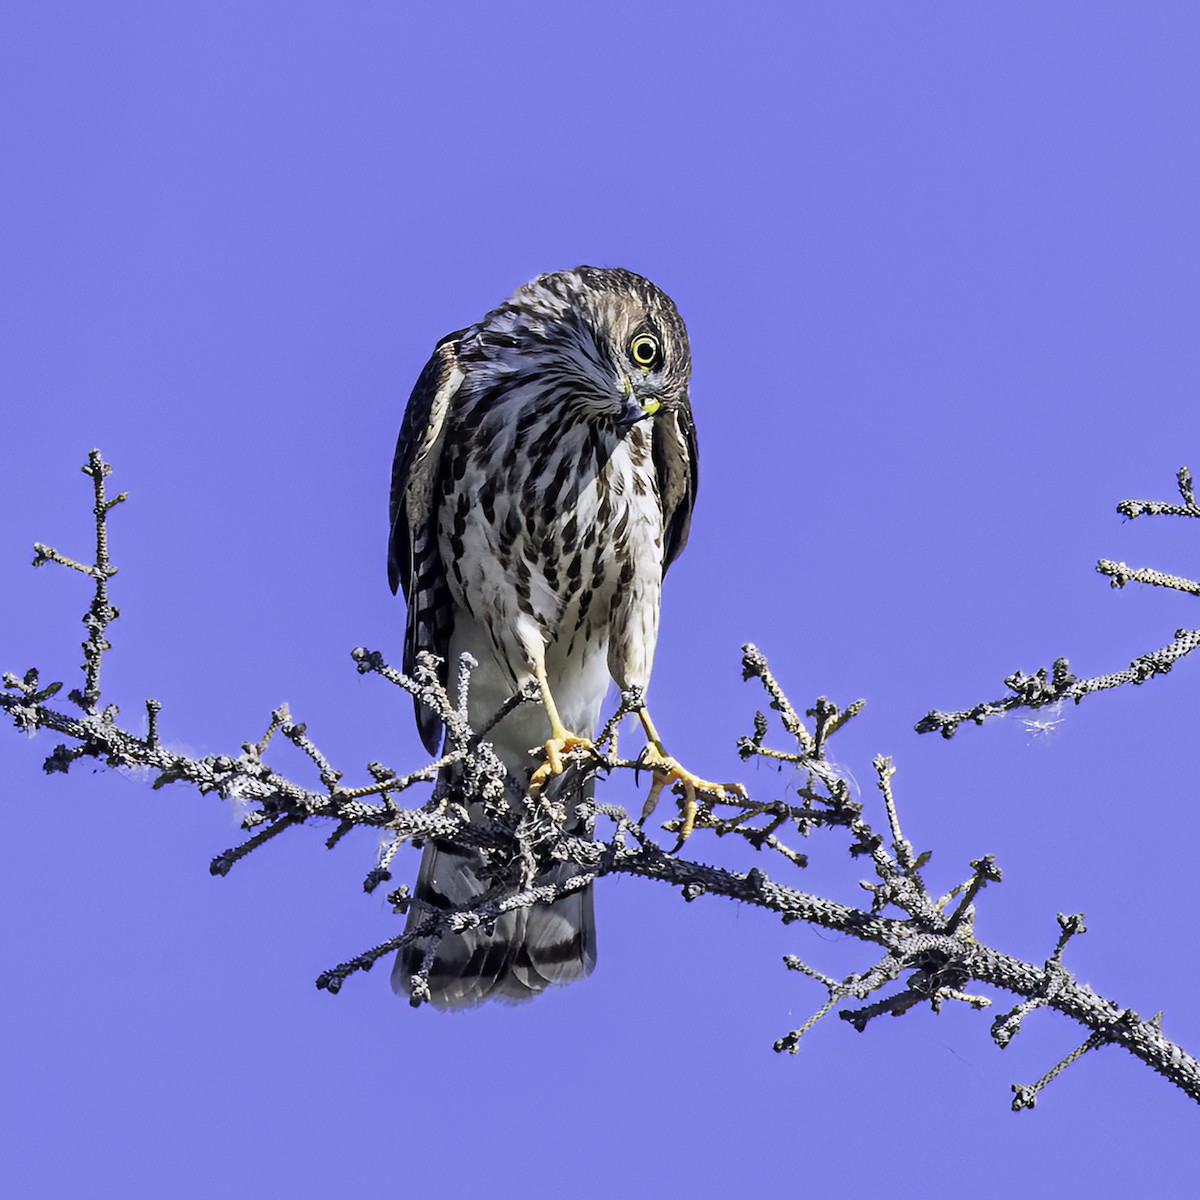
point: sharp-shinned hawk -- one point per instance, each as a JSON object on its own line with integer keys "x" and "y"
{"x": 543, "y": 482}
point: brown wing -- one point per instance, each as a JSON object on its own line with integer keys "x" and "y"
{"x": 414, "y": 563}
{"x": 676, "y": 464}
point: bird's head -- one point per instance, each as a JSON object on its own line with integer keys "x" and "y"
{"x": 604, "y": 341}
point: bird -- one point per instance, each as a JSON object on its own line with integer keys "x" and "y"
{"x": 543, "y": 482}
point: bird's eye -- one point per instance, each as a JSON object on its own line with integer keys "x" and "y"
{"x": 645, "y": 351}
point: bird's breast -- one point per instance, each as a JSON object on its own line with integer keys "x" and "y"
{"x": 552, "y": 519}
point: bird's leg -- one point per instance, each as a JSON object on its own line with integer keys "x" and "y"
{"x": 561, "y": 739}
{"x": 666, "y": 770}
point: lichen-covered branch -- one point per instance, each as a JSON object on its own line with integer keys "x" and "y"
{"x": 925, "y": 949}
{"x": 1165, "y": 508}
{"x": 1052, "y": 687}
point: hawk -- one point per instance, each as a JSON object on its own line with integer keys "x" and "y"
{"x": 543, "y": 482}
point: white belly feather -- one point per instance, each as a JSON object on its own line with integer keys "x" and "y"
{"x": 505, "y": 624}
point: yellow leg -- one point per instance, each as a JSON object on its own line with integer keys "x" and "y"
{"x": 666, "y": 770}
{"x": 561, "y": 740}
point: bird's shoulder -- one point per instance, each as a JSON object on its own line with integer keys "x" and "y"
{"x": 676, "y": 465}
{"x": 414, "y": 465}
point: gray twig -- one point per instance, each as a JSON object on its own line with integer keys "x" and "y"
{"x": 1058, "y": 684}
{"x": 935, "y": 951}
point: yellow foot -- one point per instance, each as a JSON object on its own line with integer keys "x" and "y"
{"x": 687, "y": 788}
{"x": 554, "y": 750}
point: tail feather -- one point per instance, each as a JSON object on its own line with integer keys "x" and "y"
{"x": 526, "y": 950}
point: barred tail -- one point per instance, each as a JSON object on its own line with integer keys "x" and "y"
{"x": 526, "y": 950}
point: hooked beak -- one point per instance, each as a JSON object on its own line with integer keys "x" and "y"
{"x": 634, "y": 411}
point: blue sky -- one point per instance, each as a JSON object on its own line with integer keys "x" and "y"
{"x": 939, "y": 264}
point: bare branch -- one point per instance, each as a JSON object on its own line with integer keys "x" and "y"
{"x": 1165, "y": 508}
{"x": 925, "y": 954}
{"x": 1121, "y": 573}
{"x": 1053, "y": 687}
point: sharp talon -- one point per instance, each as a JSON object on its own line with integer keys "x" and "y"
{"x": 639, "y": 766}
{"x": 688, "y": 786}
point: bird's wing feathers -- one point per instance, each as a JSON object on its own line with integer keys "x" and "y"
{"x": 675, "y": 464}
{"x": 414, "y": 467}
{"x": 414, "y": 563}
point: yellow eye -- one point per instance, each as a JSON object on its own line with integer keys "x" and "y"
{"x": 645, "y": 351}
